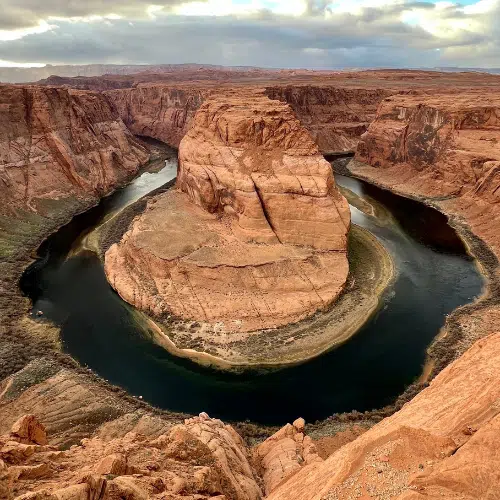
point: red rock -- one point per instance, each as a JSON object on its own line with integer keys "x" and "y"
{"x": 29, "y": 430}
{"x": 59, "y": 143}
{"x": 157, "y": 110}
{"x": 258, "y": 239}
{"x": 284, "y": 454}
{"x": 428, "y": 428}
{"x": 115, "y": 464}
{"x": 336, "y": 116}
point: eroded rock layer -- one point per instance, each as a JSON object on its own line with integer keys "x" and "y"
{"x": 335, "y": 116}
{"x": 445, "y": 150}
{"x": 158, "y": 110}
{"x": 441, "y": 145}
{"x": 255, "y": 235}
{"x": 58, "y": 143}
{"x": 443, "y": 444}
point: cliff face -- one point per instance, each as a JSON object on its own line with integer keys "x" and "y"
{"x": 443, "y": 444}
{"x": 445, "y": 149}
{"x": 251, "y": 158}
{"x": 59, "y": 143}
{"x": 159, "y": 111}
{"x": 336, "y": 117}
{"x": 256, "y": 234}
{"x": 443, "y": 144}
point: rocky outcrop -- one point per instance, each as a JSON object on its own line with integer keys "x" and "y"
{"x": 202, "y": 458}
{"x": 441, "y": 145}
{"x": 255, "y": 235}
{"x": 443, "y": 444}
{"x": 335, "y": 116}
{"x": 59, "y": 143}
{"x": 160, "y": 111}
{"x": 285, "y": 453}
{"x": 444, "y": 150}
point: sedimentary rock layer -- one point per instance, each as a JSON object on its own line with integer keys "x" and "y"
{"x": 441, "y": 145}
{"x": 443, "y": 444}
{"x": 58, "y": 143}
{"x": 160, "y": 111}
{"x": 256, "y": 234}
{"x": 335, "y": 116}
{"x": 445, "y": 150}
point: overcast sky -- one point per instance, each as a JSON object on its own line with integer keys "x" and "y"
{"x": 273, "y": 33}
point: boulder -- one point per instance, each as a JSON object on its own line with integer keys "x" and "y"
{"x": 29, "y": 430}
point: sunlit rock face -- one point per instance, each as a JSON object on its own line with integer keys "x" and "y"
{"x": 254, "y": 236}
{"x": 58, "y": 143}
{"x": 442, "y": 145}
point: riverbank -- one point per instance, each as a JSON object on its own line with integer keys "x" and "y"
{"x": 32, "y": 367}
{"x": 371, "y": 272}
{"x": 466, "y": 324}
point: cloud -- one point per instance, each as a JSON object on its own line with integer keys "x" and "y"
{"x": 302, "y": 33}
{"x": 28, "y": 13}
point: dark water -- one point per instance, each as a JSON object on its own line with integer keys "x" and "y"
{"x": 434, "y": 277}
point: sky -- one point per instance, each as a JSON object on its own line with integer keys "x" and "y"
{"x": 316, "y": 34}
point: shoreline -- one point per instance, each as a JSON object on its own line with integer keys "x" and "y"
{"x": 475, "y": 247}
{"x": 356, "y": 319}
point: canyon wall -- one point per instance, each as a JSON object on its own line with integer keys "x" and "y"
{"x": 59, "y": 143}
{"x": 442, "y": 145}
{"x": 256, "y": 234}
{"x": 336, "y": 117}
{"x": 159, "y": 111}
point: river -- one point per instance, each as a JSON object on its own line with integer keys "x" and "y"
{"x": 434, "y": 276}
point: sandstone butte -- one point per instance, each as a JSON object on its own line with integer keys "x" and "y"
{"x": 254, "y": 236}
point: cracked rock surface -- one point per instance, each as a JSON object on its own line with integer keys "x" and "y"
{"x": 255, "y": 234}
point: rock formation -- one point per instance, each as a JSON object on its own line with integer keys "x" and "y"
{"x": 284, "y": 453}
{"x": 58, "y": 143}
{"x": 255, "y": 235}
{"x": 335, "y": 116}
{"x": 157, "y": 110}
{"x": 441, "y": 145}
{"x": 443, "y": 444}
{"x": 445, "y": 149}
{"x": 202, "y": 458}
